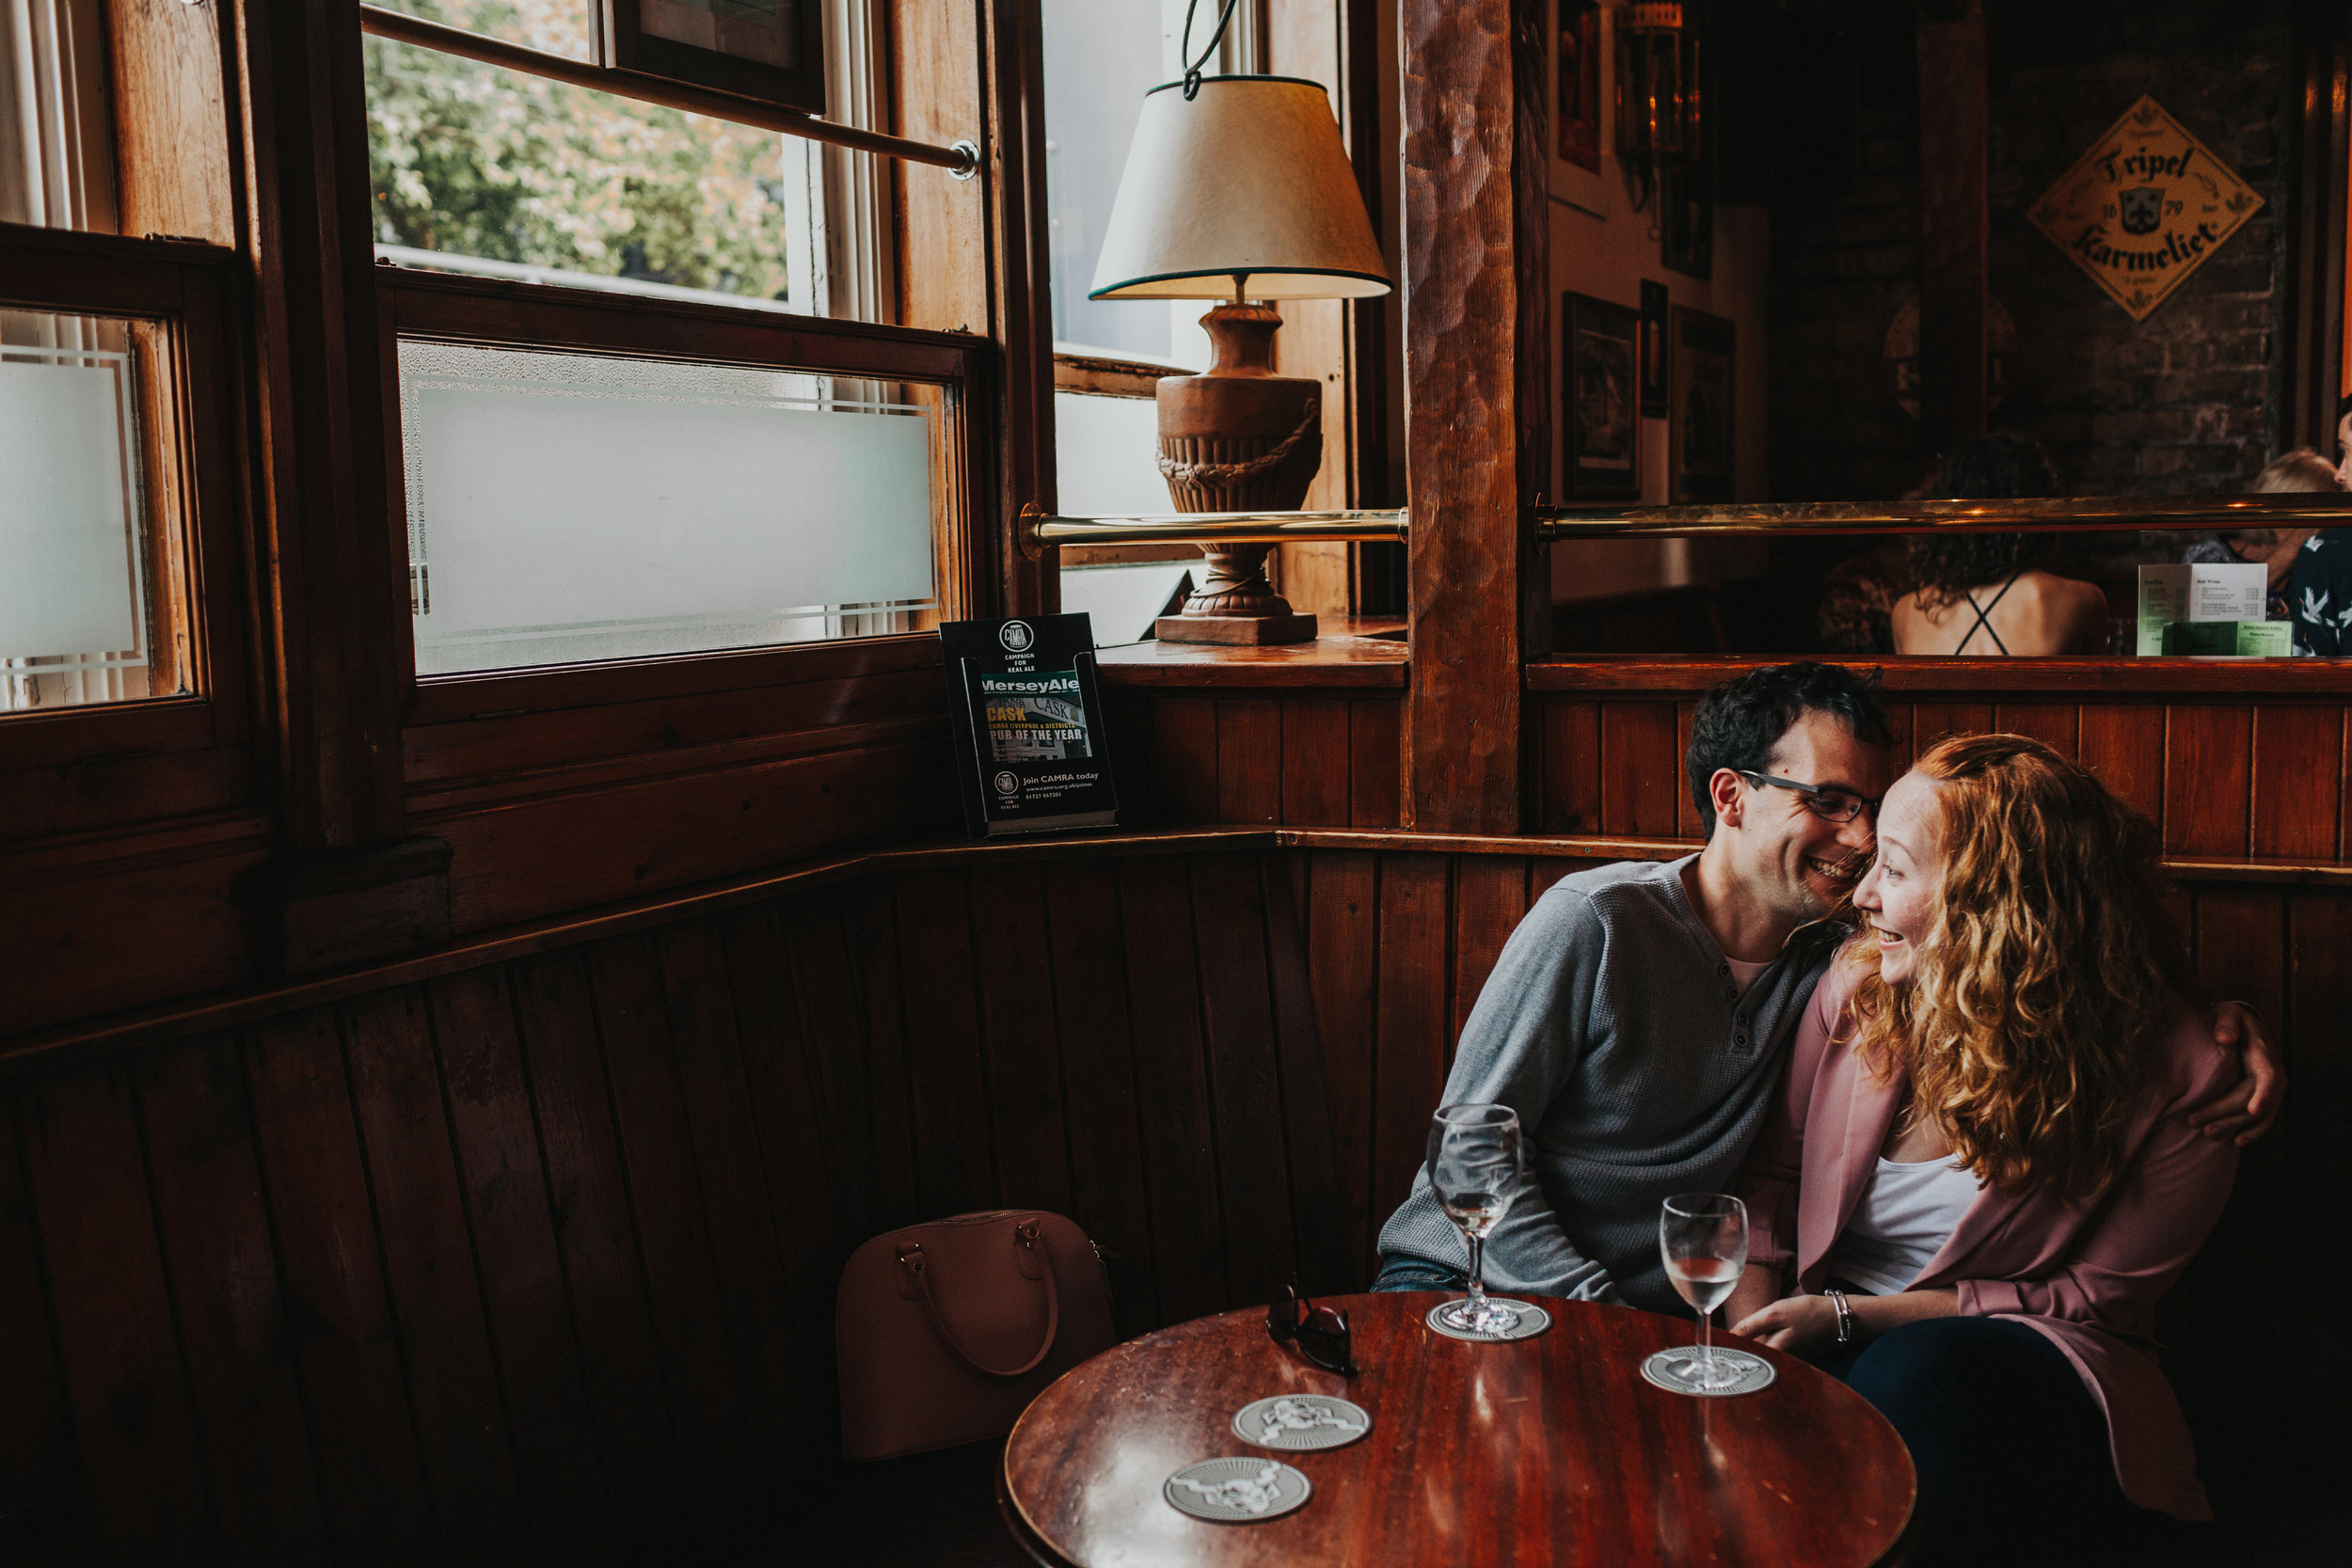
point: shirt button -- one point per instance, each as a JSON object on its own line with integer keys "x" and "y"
{"x": 1739, "y": 1039}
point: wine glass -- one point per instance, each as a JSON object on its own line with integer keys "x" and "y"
{"x": 1475, "y": 1170}
{"x": 1704, "y": 1239}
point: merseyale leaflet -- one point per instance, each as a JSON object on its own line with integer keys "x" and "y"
{"x": 1028, "y": 724}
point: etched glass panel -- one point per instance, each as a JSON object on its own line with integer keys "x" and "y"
{"x": 76, "y": 529}
{"x": 570, "y": 507}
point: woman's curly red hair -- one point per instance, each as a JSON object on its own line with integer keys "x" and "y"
{"x": 2041, "y": 985}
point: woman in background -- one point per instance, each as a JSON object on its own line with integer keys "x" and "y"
{"x": 1988, "y": 595}
{"x": 1979, "y": 1176}
{"x": 2301, "y": 471}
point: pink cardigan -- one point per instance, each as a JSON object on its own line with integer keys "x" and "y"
{"x": 2088, "y": 1280}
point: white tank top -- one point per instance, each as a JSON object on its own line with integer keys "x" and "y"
{"x": 1907, "y": 1214}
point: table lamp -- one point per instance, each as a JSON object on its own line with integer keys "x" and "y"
{"x": 1242, "y": 193}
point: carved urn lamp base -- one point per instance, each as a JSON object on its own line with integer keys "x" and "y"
{"x": 1237, "y": 437}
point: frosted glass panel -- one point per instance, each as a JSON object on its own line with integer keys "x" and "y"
{"x": 73, "y": 530}
{"x": 564, "y": 507}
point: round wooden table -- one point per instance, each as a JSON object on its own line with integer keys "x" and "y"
{"x": 1550, "y": 1451}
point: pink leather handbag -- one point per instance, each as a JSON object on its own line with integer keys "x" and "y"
{"x": 946, "y": 1331}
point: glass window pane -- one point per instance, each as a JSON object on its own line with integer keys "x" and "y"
{"x": 1107, "y": 456}
{"x": 77, "y": 536}
{"x": 477, "y": 169}
{"x": 1101, "y": 58}
{"x": 566, "y": 507}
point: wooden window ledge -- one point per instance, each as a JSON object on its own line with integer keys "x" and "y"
{"x": 1368, "y": 653}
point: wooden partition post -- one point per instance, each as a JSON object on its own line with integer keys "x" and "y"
{"x": 1477, "y": 403}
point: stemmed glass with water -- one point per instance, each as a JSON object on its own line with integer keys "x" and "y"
{"x": 1703, "y": 1238}
{"x": 1475, "y": 1170}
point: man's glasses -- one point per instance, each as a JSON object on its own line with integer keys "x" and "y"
{"x": 1319, "y": 1332}
{"x": 1828, "y": 802}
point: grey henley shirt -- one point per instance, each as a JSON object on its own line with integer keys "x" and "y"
{"x": 1639, "y": 1068}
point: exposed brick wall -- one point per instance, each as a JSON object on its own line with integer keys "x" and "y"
{"x": 2180, "y": 402}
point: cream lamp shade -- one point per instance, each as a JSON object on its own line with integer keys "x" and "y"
{"x": 1247, "y": 179}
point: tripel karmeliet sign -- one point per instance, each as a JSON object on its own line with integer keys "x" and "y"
{"x": 2145, "y": 207}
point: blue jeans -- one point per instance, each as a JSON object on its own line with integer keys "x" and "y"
{"x": 1416, "y": 1274}
{"x": 2011, "y": 1448}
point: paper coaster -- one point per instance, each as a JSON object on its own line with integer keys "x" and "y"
{"x": 1671, "y": 1369}
{"x": 1235, "y": 1491}
{"x": 1299, "y": 1423}
{"x": 1533, "y": 1320}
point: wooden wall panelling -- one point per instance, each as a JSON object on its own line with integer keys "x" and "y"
{"x": 1490, "y": 901}
{"x": 508, "y": 1209}
{"x": 524, "y": 858}
{"x": 629, "y": 1418}
{"x": 2208, "y": 783}
{"x": 1315, "y": 762}
{"x": 430, "y": 1268}
{"x": 817, "y": 1188}
{"x": 339, "y": 1315}
{"x": 85, "y": 1176}
{"x": 1932, "y": 722}
{"x": 1570, "y": 767}
{"x": 223, "y": 1271}
{"x": 1249, "y": 759}
{"x": 44, "y": 1509}
{"x": 1245, "y": 1088}
{"x": 1340, "y": 915}
{"x": 1165, "y": 1021}
{"x": 1640, "y": 770}
{"x": 2057, "y": 725}
{"x": 2298, "y": 781}
{"x": 1898, "y": 725}
{"x": 2124, "y": 744}
{"x": 681, "y": 1274}
{"x": 1325, "y": 1261}
{"x": 1409, "y": 1070}
{"x": 870, "y": 929}
{"x": 755, "y": 1307}
{"x": 1376, "y": 768}
{"x": 1109, "y": 1194}
{"x": 1024, "y": 1058}
{"x": 2240, "y": 1283}
{"x": 1477, "y": 373}
{"x": 942, "y": 1033}
{"x": 815, "y": 982}
{"x": 1686, "y": 811}
{"x": 2319, "y": 1158}
{"x": 1183, "y": 777}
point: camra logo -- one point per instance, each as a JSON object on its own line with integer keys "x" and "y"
{"x": 1006, "y": 783}
{"x": 2145, "y": 207}
{"x": 1016, "y": 636}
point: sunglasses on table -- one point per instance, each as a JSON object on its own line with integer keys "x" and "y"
{"x": 1826, "y": 802}
{"x": 1319, "y": 1332}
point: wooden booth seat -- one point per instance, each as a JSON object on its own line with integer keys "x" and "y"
{"x": 528, "y": 1251}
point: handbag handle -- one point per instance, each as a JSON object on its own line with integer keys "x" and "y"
{"x": 1025, "y": 1234}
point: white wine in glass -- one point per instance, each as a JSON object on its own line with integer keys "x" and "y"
{"x": 1703, "y": 1238}
{"x": 1475, "y": 1170}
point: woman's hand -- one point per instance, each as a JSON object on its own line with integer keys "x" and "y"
{"x": 1801, "y": 1325}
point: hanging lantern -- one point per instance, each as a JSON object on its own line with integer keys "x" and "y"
{"x": 1660, "y": 108}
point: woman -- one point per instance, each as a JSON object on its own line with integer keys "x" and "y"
{"x": 2301, "y": 471}
{"x": 1987, "y": 594}
{"x": 1979, "y": 1176}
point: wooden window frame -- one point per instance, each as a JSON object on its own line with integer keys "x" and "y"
{"x": 448, "y": 308}
{"x": 201, "y": 584}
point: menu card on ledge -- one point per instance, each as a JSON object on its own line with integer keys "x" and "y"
{"x": 1031, "y": 752}
{"x": 2178, "y": 596}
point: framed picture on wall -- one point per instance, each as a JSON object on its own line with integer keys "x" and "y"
{"x": 1700, "y": 446}
{"x": 1655, "y": 363}
{"x": 1602, "y": 356}
{"x": 770, "y": 49}
{"x": 1580, "y": 79}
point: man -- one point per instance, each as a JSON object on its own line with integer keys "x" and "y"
{"x": 1637, "y": 1017}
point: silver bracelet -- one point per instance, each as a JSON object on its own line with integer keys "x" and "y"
{"x": 1845, "y": 1315}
